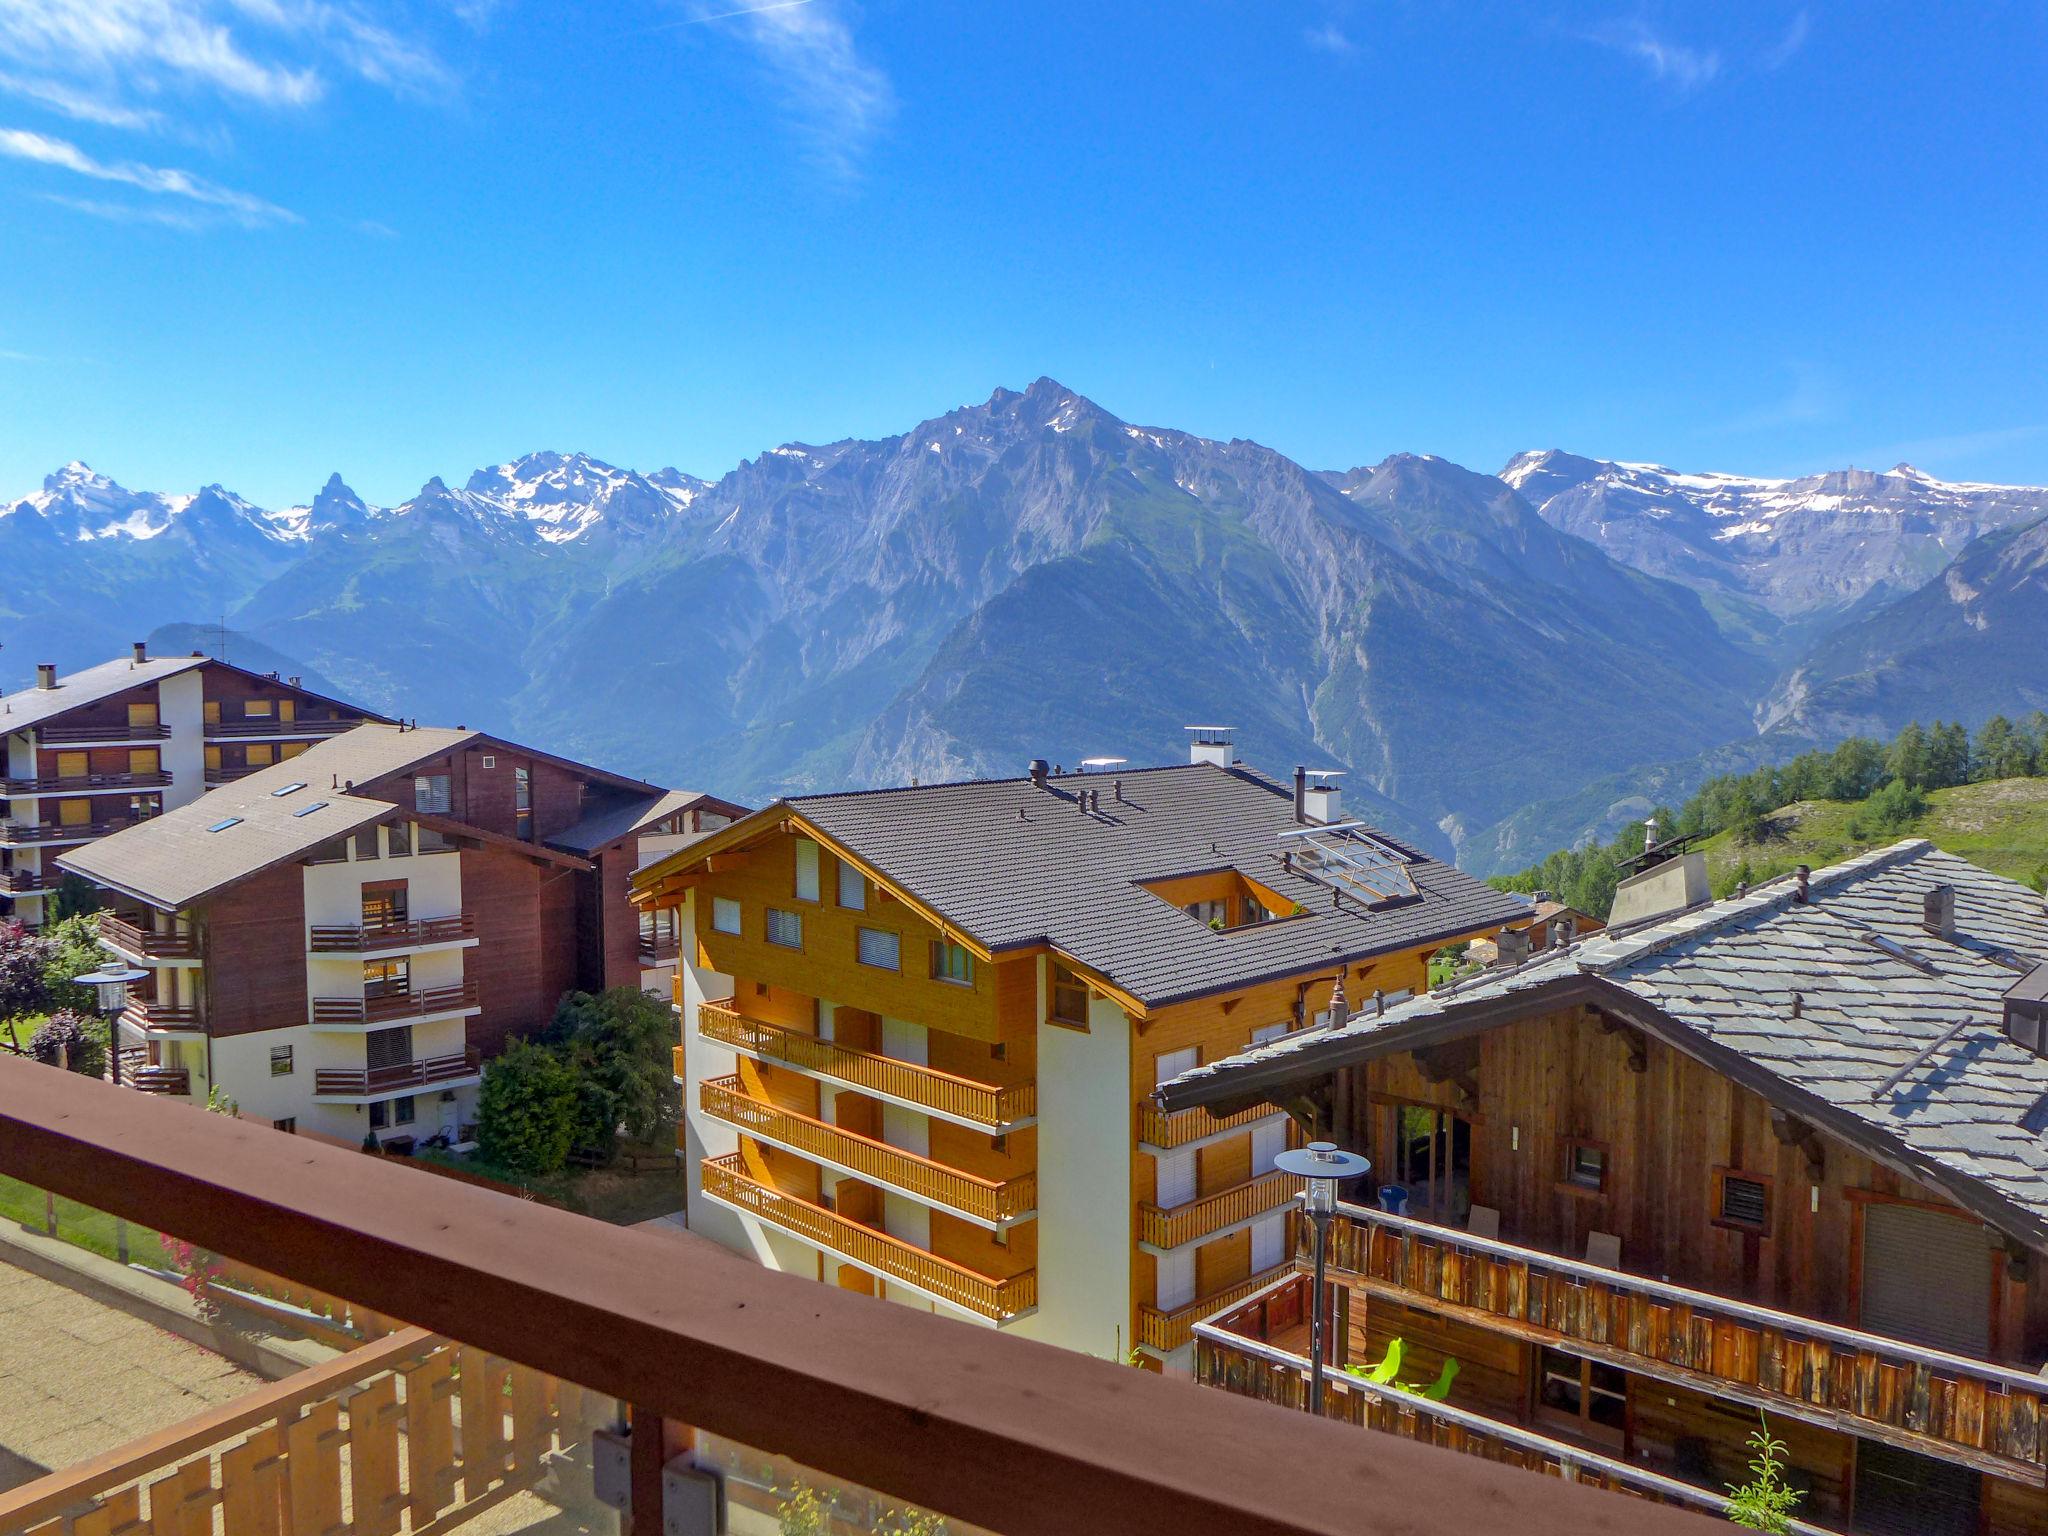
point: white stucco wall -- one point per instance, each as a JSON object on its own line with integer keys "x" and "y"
{"x": 1084, "y": 1183}
{"x": 703, "y": 1136}
{"x": 181, "y": 705}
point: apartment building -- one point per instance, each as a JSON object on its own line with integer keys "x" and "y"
{"x": 338, "y": 941}
{"x": 1780, "y": 1154}
{"x": 90, "y": 752}
{"x": 921, "y": 1027}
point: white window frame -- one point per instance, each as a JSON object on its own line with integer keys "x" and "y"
{"x": 722, "y": 908}
{"x": 806, "y": 870}
{"x": 853, "y": 888}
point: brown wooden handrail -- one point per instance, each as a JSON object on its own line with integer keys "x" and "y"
{"x": 1157, "y": 1128}
{"x": 419, "y": 1073}
{"x": 1167, "y": 1331}
{"x": 1174, "y": 1226}
{"x": 271, "y": 725}
{"x": 137, "y": 940}
{"x": 399, "y": 1005}
{"x": 79, "y": 783}
{"x": 346, "y": 938}
{"x": 51, "y": 735}
{"x": 989, "y": 1200}
{"x": 983, "y": 1103}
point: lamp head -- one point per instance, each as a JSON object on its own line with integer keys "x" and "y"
{"x": 1325, "y": 1165}
{"x": 110, "y": 984}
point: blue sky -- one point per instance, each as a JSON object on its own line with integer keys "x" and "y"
{"x": 258, "y": 240}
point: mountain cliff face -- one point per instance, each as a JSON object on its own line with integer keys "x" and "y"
{"x": 1033, "y": 576}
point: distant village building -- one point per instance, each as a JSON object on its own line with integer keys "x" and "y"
{"x": 1783, "y": 1154}
{"x": 339, "y": 940}
{"x": 921, "y": 1028}
{"x": 90, "y": 752}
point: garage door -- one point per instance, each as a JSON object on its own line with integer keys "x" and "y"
{"x": 1926, "y": 1278}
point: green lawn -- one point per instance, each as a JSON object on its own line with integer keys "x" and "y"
{"x": 2002, "y": 825}
{"x": 25, "y": 1205}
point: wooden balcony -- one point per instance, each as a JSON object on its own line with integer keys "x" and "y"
{"x": 659, "y": 949}
{"x": 144, "y": 1013}
{"x": 269, "y": 726}
{"x": 24, "y": 882}
{"x": 987, "y": 1201}
{"x": 99, "y": 735}
{"x": 146, "y": 943}
{"x": 1942, "y": 1405}
{"x": 1161, "y": 1227}
{"x": 1158, "y": 1129}
{"x": 378, "y": 938}
{"x": 726, "y": 1179}
{"x": 1167, "y": 1331}
{"x": 1226, "y": 1360}
{"x": 84, "y": 783}
{"x": 174, "y": 1081}
{"x": 921, "y": 1087}
{"x": 366, "y": 1082}
{"x": 33, "y": 834}
{"x": 396, "y": 1008}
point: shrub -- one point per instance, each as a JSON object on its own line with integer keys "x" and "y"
{"x": 618, "y": 1044}
{"x": 1766, "y": 1502}
{"x": 74, "y": 1039}
{"x": 1890, "y": 810}
{"x": 527, "y": 1110}
{"x": 24, "y": 956}
{"x": 74, "y": 948}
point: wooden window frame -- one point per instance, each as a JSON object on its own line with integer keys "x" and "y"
{"x": 1568, "y": 1149}
{"x": 1719, "y": 1207}
{"x": 796, "y": 871}
{"x": 939, "y": 955}
{"x": 768, "y": 929}
{"x": 1052, "y": 992}
{"x": 842, "y": 874}
{"x": 739, "y": 916}
{"x": 860, "y": 931}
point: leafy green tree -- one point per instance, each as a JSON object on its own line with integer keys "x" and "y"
{"x": 1888, "y": 812}
{"x": 74, "y": 949}
{"x": 24, "y": 957}
{"x": 1948, "y": 756}
{"x": 74, "y": 895}
{"x": 68, "y": 1039}
{"x": 620, "y": 1044}
{"x": 526, "y": 1109}
{"x": 1767, "y": 1502}
{"x": 1855, "y": 768}
{"x": 1907, "y": 757}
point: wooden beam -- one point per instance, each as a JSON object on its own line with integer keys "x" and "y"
{"x": 1792, "y": 1131}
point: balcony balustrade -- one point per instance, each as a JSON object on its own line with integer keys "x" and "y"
{"x": 725, "y": 1178}
{"x": 394, "y": 1008}
{"x": 31, "y": 834}
{"x": 1918, "y": 1399}
{"x": 657, "y": 950}
{"x": 174, "y": 1081}
{"x": 1163, "y": 1131}
{"x": 24, "y": 882}
{"x": 83, "y": 783}
{"x": 374, "y": 938}
{"x": 958, "y": 1098}
{"x": 1168, "y": 1331}
{"x": 146, "y": 1014}
{"x": 271, "y": 725}
{"x": 101, "y": 735}
{"x": 985, "y": 1200}
{"x": 1246, "y": 1367}
{"x": 146, "y": 943}
{"x": 1177, "y": 1226}
{"x": 425, "y": 1072}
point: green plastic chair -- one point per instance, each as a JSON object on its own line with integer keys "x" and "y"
{"x": 1440, "y": 1389}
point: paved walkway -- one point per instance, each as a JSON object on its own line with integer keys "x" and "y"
{"x": 78, "y": 1377}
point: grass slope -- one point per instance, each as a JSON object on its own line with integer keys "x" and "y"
{"x": 2002, "y": 825}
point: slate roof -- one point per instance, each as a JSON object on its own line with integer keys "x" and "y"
{"x": 1877, "y": 994}
{"x": 607, "y": 824}
{"x": 1057, "y": 875}
{"x": 28, "y": 708}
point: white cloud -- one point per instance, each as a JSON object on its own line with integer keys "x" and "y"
{"x": 1780, "y": 53}
{"x": 1674, "y": 63}
{"x": 79, "y": 105}
{"x": 1331, "y": 38}
{"x": 163, "y": 181}
{"x": 837, "y": 100}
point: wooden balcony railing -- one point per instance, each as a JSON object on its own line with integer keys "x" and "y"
{"x": 658, "y": 949}
{"x": 988, "y": 1200}
{"x": 395, "y": 1007}
{"x": 1156, "y": 1128}
{"x": 982, "y": 1103}
{"x": 29, "y": 834}
{"x": 133, "y": 939}
{"x": 423, "y": 1073}
{"x": 1183, "y": 1224}
{"x": 54, "y": 735}
{"x": 24, "y": 882}
{"x": 83, "y": 783}
{"x": 725, "y": 1178}
{"x": 1167, "y": 1331}
{"x": 1246, "y": 1367}
{"x": 365, "y": 938}
{"x": 146, "y": 1013}
{"x": 271, "y": 725}
{"x": 171, "y": 1080}
{"x": 1919, "y": 1399}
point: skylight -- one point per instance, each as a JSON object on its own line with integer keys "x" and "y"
{"x": 289, "y": 789}
{"x": 307, "y": 810}
{"x": 222, "y": 826}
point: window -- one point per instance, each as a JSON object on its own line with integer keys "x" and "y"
{"x": 307, "y": 810}
{"x": 384, "y": 902}
{"x": 211, "y": 710}
{"x": 402, "y": 1110}
{"x": 853, "y": 888}
{"x": 1069, "y": 998}
{"x": 327, "y": 853}
{"x": 258, "y": 709}
{"x": 144, "y": 760}
{"x": 289, "y": 1125}
{"x": 280, "y": 1061}
{"x": 380, "y": 1115}
{"x": 398, "y": 838}
{"x": 1271, "y": 1032}
{"x": 366, "y": 843}
{"x": 522, "y": 802}
{"x": 222, "y": 826}
{"x": 1591, "y": 1397}
{"x": 1742, "y": 1201}
{"x": 213, "y": 759}
{"x": 432, "y": 794}
{"x": 291, "y": 749}
{"x": 387, "y": 978}
{"x": 288, "y": 789}
{"x": 388, "y": 1047}
{"x": 806, "y": 870}
{"x": 879, "y": 947}
{"x": 1215, "y": 913}
{"x": 951, "y": 962}
{"x": 1585, "y": 1165}
{"x": 785, "y": 928}
{"x": 725, "y": 915}
{"x": 433, "y": 840}
{"x": 259, "y": 754}
{"x": 142, "y": 719}
{"x": 490, "y": 760}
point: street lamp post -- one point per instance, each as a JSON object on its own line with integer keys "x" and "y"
{"x": 1324, "y": 1164}
{"x": 110, "y": 983}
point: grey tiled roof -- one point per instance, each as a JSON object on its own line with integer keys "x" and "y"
{"x": 608, "y": 823}
{"x": 1970, "y": 1111}
{"x": 27, "y": 708}
{"x": 1057, "y": 875}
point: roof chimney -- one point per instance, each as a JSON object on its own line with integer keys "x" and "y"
{"x": 46, "y": 674}
{"x": 1038, "y": 769}
{"x": 1319, "y": 802}
{"x": 1676, "y": 885}
{"x": 1802, "y": 892}
{"x": 1300, "y": 793}
{"x": 293, "y": 680}
{"x": 141, "y": 652}
{"x": 1511, "y": 946}
{"x": 1211, "y": 744}
{"x": 1938, "y": 911}
{"x": 2026, "y": 1011}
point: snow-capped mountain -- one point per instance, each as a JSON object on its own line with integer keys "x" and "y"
{"x": 1777, "y": 557}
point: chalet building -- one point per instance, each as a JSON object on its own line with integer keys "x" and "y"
{"x": 91, "y": 752}
{"x": 1780, "y": 1154}
{"x": 921, "y": 1027}
{"x": 339, "y": 940}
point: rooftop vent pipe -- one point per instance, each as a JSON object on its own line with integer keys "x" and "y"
{"x": 1938, "y": 911}
{"x": 1801, "y": 891}
{"x": 1300, "y": 793}
{"x": 46, "y": 674}
{"x": 1038, "y": 771}
{"x": 141, "y": 652}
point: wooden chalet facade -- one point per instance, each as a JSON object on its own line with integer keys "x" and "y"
{"x": 1778, "y": 1156}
